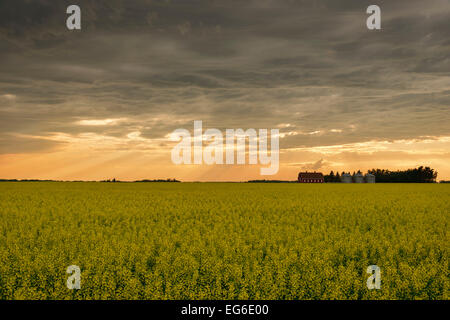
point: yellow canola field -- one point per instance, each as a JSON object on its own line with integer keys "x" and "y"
{"x": 223, "y": 240}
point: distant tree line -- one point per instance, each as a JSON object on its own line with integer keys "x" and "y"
{"x": 271, "y": 181}
{"x": 417, "y": 175}
{"x": 26, "y": 180}
{"x": 332, "y": 177}
{"x": 158, "y": 180}
{"x": 108, "y": 180}
{"x": 145, "y": 180}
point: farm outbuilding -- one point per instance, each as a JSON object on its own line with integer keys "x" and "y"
{"x": 358, "y": 178}
{"x": 370, "y": 178}
{"x": 346, "y": 178}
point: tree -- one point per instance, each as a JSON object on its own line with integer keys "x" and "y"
{"x": 332, "y": 177}
{"x": 416, "y": 175}
{"x": 337, "y": 178}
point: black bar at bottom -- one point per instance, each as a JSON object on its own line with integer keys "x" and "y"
{"x": 221, "y": 309}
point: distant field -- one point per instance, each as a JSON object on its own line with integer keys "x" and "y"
{"x": 223, "y": 240}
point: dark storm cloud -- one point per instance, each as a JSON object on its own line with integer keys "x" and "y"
{"x": 311, "y": 64}
{"x": 11, "y": 144}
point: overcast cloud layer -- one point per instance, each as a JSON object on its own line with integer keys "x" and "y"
{"x": 310, "y": 68}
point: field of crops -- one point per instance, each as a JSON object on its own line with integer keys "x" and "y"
{"x": 223, "y": 240}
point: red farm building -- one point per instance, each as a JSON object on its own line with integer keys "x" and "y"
{"x": 310, "y": 177}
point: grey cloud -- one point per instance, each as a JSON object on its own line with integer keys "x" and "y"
{"x": 314, "y": 166}
{"x": 11, "y": 144}
{"x": 312, "y": 64}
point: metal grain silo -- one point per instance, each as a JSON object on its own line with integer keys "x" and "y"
{"x": 370, "y": 178}
{"x": 346, "y": 178}
{"x": 359, "y": 178}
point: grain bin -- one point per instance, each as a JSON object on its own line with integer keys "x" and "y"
{"x": 370, "y": 178}
{"x": 346, "y": 178}
{"x": 358, "y": 178}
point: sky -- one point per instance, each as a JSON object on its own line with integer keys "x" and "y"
{"x": 101, "y": 102}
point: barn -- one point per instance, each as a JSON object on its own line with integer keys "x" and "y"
{"x": 310, "y": 177}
